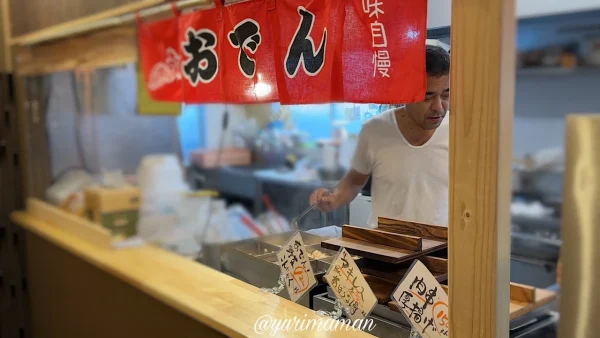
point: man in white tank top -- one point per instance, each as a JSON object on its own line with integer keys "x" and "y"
{"x": 405, "y": 150}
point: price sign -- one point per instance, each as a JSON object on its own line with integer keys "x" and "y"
{"x": 423, "y": 302}
{"x": 350, "y": 287}
{"x": 295, "y": 267}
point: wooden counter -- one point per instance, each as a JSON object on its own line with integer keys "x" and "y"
{"x": 75, "y": 277}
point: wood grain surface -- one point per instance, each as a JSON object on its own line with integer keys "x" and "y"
{"x": 516, "y": 308}
{"x": 5, "y": 48}
{"x": 381, "y": 252}
{"x": 59, "y": 282}
{"x": 47, "y": 17}
{"x": 413, "y": 229}
{"x": 106, "y": 48}
{"x": 395, "y": 272}
{"x": 223, "y": 303}
{"x": 382, "y": 288}
{"x": 376, "y": 236}
{"x": 435, "y": 264}
{"x": 394, "y": 276}
{"x": 90, "y": 232}
{"x": 519, "y": 293}
{"x": 522, "y": 293}
{"x": 482, "y": 83}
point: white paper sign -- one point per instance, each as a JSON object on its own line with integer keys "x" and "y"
{"x": 423, "y": 302}
{"x": 295, "y": 266}
{"x": 350, "y": 287}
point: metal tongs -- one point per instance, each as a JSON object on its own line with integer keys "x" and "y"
{"x": 294, "y": 223}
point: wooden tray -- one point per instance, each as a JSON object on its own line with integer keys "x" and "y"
{"x": 518, "y": 307}
{"x": 435, "y": 232}
{"x": 381, "y": 252}
{"x": 382, "y": 288}
{"x": 395, "y": 272}
{"x": 377, "y": 236}
{"x": 393, "y": 241}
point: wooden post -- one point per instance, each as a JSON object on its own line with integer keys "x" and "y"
{"x": 482, "y": 96}
{"x": 579, "y": 254}
{"x": 5, "y": 58}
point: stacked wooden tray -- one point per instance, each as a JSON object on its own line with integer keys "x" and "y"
{"x": 393, "y": 241}
{"x": 391, "y": 248}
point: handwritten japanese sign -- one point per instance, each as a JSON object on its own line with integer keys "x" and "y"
{"x": 423, "y": 301}
{"x": 350, "y": 287}
{"x": 295, "y": 266}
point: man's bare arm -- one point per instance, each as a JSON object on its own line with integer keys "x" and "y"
{"x": 343, "y": 194}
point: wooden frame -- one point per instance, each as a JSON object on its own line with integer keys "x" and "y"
{"x": 5, "y": 58}
{"x": 52, "y": 30}
{"x": 482, "y": 81}
{"x": 98, "y": 49}
{"x": 482, "y": 86}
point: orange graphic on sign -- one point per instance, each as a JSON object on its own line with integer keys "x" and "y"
{"x": 301, "y": 279}
{"x": 440, "y": 310}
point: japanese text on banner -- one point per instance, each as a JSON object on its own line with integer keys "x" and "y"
{"x": 350, "y": 287}
{"x": 381, "y": 56}
{"x": 298, "y": 52}
{"x": 423, "y": 302}
{"x": 295, "y": 266}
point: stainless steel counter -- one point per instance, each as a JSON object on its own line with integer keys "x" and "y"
{"x": 254, "y": 261}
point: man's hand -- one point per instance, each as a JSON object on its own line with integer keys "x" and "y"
{"x": 325, "y": 198}
{"x": 343, "y": 194}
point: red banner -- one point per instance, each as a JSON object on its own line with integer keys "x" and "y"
{"x": 250, "y": 74}
{"x": 383, "y": 53}
{"x": 292, "y": 51}
{"x": 308, "y": 39}
{"x": 202, "y": 62}
{"x": 160, "y": 58}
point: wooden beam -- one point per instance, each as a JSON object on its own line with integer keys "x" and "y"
{"x": 5, "y": 58}
{"x": 49, "y": 32}
{"x": 482, "y": 86}
{"x": 111, "y": 47}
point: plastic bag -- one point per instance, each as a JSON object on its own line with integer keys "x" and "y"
{"x": 274, "y": 223}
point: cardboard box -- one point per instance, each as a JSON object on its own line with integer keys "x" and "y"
{"x": 116, "y": 209}
{"x": 229, "y": 157}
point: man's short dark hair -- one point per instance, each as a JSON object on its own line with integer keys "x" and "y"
{"x": 437, "y": 61}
